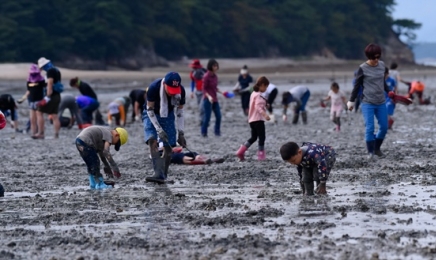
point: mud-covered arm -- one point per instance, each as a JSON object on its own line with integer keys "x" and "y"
{"x": 180, "y": 120}
{"x": 107, "y": 159}
{"x": 152, "y": 116}
{"x": 358, "y": 82}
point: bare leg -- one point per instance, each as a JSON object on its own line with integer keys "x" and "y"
{"x": 56, "y": 125}
{"x": 33, "y": 126}
{"x": 40, "y": 123}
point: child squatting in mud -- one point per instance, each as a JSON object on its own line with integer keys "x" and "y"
{"x": 314, "y": 163}
{"x": 95, "y": 140}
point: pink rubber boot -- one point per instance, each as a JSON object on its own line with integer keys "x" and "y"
{"x": 241, "y": 151}
{"x": 261, "y": 155}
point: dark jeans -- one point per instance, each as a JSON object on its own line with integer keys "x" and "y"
{"x": 207, "y": 110}
{"x": 257, "y": 131}
{"x": 87, "y": 111}
{"x": 245, "y": 101}
{"x": 271, "y": 97}
{"x": 90, "y": 156}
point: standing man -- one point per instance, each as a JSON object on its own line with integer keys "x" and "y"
{"x": 163, "y": 97}
{"x": 86, "y": 90}
{"x": 50, "y": 103}
{"x": 137, "y": 96}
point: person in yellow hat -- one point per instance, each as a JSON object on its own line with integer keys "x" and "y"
{"x": 94, "y": 142}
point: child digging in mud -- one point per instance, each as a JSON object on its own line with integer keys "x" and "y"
{"x": 256, "y": 118}
{"x": 97, "y": 140}
{"x": 338, "y": 99}
{"x": 314, "y": 163}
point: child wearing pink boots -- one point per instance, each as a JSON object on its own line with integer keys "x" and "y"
{"x": 256, "y": 118}
{"x": 338, "y": 99}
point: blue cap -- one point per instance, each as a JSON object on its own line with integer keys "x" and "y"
{"x": 174, "y": 82}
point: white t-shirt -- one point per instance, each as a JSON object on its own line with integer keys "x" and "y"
{"x": 298, "y": 91}
{"x": 336, "y": 98}
{"x": 268, "y": 90}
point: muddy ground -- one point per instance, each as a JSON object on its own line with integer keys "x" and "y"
{"x": 234, "y": 210}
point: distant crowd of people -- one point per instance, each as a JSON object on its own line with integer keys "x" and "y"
{"x": 160, "y": 107}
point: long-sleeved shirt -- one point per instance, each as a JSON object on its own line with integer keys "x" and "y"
{"x": 317, "y": 155}
{"x": 257, "y": 107}
{"x": 372, "y": 81}
{"x": 210, "y": 85}
{"x": 86, "y": 90}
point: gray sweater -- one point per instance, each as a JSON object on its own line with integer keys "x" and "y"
{"x": 372, "y": 80}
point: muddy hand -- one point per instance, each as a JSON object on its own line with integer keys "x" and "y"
{"x": 321, "y": 188}
{"x": 108, "y": 172}
{"x": 117, "y": 174}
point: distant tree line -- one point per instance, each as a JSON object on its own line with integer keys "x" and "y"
{"x": 109, "y": 29}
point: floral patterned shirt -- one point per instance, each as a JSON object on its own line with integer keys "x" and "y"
{"x": 317, "y": 155}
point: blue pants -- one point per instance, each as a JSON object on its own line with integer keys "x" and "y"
{"x": 90, "y": 156}
{"x": 390, "y": 105}
{"x": 207, "y": 112}
{"x": 304, "y": 100}
{"x": 380, "y": 112}
{"x": 167, "y": 124}
{"x": 86, "y": 112}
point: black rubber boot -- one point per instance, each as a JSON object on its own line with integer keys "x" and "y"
{"x": 303, "y": 190}
{"x": 295, "y": 118}
{"x": 168, "y": 151}
{"x": 309, "y": 187}
{"x": 304, "y": 117}
{"x": 158, "y": 162}
{"x": 377, "y": 145}
{"x": 2, "y": 191}
{"x": 370, "y": 147}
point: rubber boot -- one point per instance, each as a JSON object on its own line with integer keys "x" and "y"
{"x": 91, "y": 182}
{"x": 377, "y": 145}
{"x": 241, "y": 152}
{"x": 101, "y": 185}
{"x": 261, "y": 155}
{"x": 304, "y": 117}
{"x": 370, "y": 147}
{"x": 295, "y": 118}
{"x": 168, "y": 151}
{"x": 2, "y": 191}
{"x": 309, "y": 187}
{"x": 303, "y": 190}
{"x": 390, "y": 122}
{"x": 159, "y": 171}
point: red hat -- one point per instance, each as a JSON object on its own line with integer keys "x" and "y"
{"x": 173, "y": 82}
{"x": 195, "y": 64}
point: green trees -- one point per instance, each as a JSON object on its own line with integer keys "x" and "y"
{"x": 107, "y": 30}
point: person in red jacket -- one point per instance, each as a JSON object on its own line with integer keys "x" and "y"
{"x": 196, "y": 76}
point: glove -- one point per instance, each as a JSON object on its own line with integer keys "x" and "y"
{"x": 136, "y": 118}
{"x": 322, "y": 104}
{"x": 122, "y": 123}
{"x": 285, "y": 118}
{"x": 391, "y": 94}
{"x": 350, "y": 105}
{"x": 163, "y": 136}
{"x": 43, "y": 102}
{"x": 117, "y": 174}
{"x": 181, "y": 140}
{"x": 108, "y": 172}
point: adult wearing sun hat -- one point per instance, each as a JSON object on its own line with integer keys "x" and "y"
{"x": 163, "y": 97}
{"x": 50, "y": 103}
{"x": 94, "y": 142}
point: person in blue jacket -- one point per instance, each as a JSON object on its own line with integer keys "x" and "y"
{"x": 243, "y": 88}
{"x": 87, "y": 106}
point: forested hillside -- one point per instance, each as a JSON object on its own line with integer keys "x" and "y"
{"x": 111, "y": 29}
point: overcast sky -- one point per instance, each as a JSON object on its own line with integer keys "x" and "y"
{"x": 421, "y": 11}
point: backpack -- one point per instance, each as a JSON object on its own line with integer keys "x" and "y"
{"x": 198, "y": 73}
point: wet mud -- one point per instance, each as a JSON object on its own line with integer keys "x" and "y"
{"x": 234, "y": 210}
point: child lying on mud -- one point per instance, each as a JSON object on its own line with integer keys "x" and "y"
{"x": 314, "y": 163}
{"x": 191, "y": 158}
{"x": 97, "y": 140}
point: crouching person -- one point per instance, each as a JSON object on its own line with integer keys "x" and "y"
{"x": 95, "y": 141}
{"x": 314, "y": 163}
